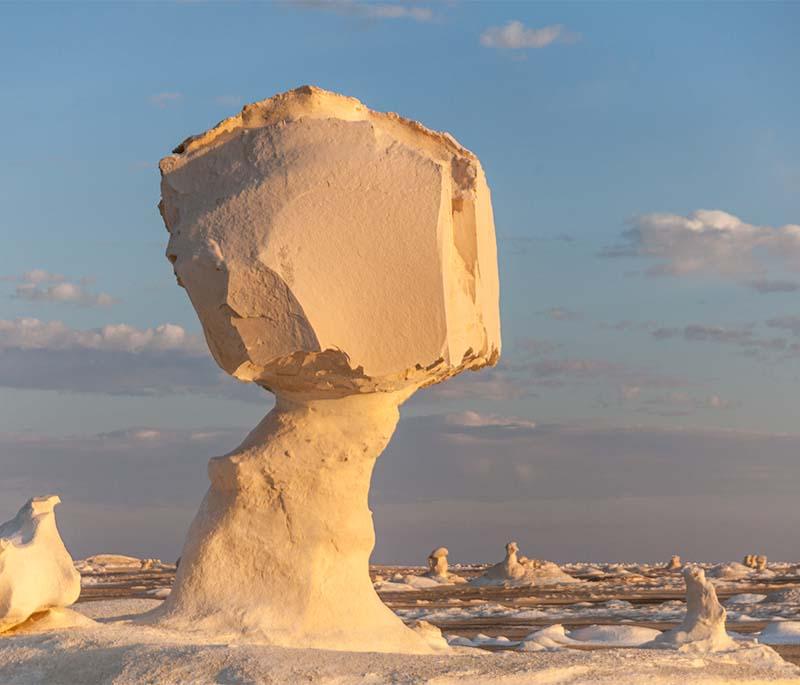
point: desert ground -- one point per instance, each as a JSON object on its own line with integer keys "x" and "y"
{"x": 589, "y": 631}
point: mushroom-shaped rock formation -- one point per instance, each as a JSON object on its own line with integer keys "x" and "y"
{"x": 703, "y": 628}
{"x": 340, "y": 258}
{"x": 36, "y": 570}
{"x": 674, "y": 563}
{"x": 438, "y": 569}
{"x": 521, "y": 571}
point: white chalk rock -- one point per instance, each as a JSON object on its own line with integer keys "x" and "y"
{"x": 438, "y": 569}
{"x": 330, "y": 248}
{"x": 341, "y": 258}
{"x": 674, "y": 563}
{"x": 36, "y": 570}
{"x": 703, "y": 628}
{"x": 520, "y": 571}
{"x": 437, "y": 563}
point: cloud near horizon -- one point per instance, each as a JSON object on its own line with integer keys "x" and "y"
{"x": 116, "y": 359}
{"x": 469, "y": 481}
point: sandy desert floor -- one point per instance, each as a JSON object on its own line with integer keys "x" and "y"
{"x": 484, "y": 626}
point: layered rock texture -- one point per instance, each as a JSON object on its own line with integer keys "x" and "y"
{"x": 341, "y": 258}
{"x": 36, "y": 570}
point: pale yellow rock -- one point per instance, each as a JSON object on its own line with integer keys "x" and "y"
{"x": 332, "y": 249}
{"x": 341, "y": 258}
{"x": 36, "y": 570}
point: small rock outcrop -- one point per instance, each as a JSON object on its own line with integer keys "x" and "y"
{"x": 437, "y": 563}
{"x": 36, "y": 570}
{"x": 674, "y": 563}
{"x": 517, "y": 570}
{"x": 703, "y": 628}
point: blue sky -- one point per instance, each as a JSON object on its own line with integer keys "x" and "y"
{"x": 605, "y": 130}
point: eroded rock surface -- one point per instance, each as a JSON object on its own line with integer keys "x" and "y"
{"x": 36, "y": 570}
{"x": 341, "y": 258}
{"x": 330, "y": 248}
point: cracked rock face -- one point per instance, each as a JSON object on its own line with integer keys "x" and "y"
{"x": 331, "y": 250}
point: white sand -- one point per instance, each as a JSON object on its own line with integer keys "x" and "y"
{"x": 120, "y": 652}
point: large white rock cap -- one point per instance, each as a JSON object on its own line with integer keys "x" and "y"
{"x": 330, "y": 249}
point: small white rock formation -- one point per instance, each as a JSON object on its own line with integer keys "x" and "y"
{"x": 517, "y": 570}
{"x": 438, "y": 569}
{"x": 340, "y": 258}
{"x": 703, "y": 628}
{"x": 437, "y": 563}
{"x": 674, "y": 563}
{"x": 36, "y": 570}
{"x": 756, "y": 561}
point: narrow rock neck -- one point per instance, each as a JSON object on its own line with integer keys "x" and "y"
{"x": 280, "y": 547}
{"x": 312, "y": 437}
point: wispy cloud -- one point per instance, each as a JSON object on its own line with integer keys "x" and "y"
{"x": 787, "y": 323}
{"x": 766, "y": 286}
{"x": 165, "y": 99}
{"x": 740, "y": 336}
{"x": 40, "y": 285}
{"x": 711, "y": 243}
{"x": 561, "y": 314}
{"x": 516, "y": 36}
{"x": 370, "y": 10}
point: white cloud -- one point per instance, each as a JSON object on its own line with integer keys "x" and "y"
{"x": 63, "y": 292}
{"x": 39, "y": 285}
{"x": 516, "y": 36}
{"x": 117, "y": 359}
{"x": 37, "y": 276}
{"x": 165, "y": 99}
{"x": 33, "y": 334}
{"x": 711, "y": 242}
{"x": 371, "y": 10}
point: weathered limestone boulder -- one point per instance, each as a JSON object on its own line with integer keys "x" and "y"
{"x": 703, "y": 628}
{"x": 36, "y": 570}
{"x": 340, "y": 258}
